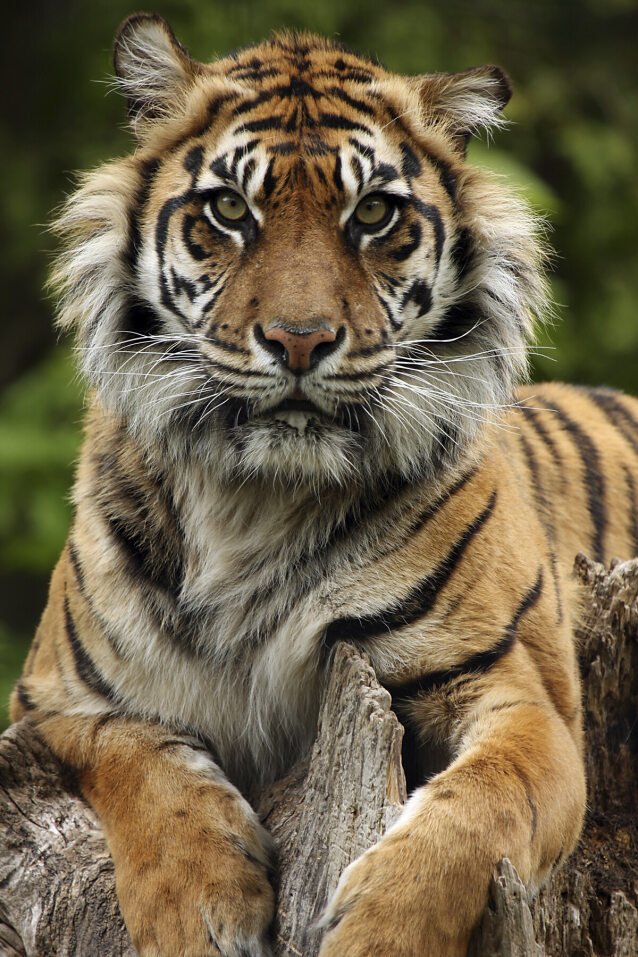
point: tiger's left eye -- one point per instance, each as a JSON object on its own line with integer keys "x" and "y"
{"x": 373, "y": 211}
{"x": 230, "y": 206}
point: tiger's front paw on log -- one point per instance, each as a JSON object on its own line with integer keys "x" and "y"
{"x": 390, "y": 903}
{"x": 196, "y": 889}
{"x": 192, "y": 862}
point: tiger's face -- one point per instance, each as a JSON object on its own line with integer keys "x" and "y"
{"x": 309, "y": 284}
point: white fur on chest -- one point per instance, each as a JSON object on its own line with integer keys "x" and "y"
{"x": 254, "y": 685}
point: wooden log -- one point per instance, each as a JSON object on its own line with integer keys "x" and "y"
{"x": 352, "y": 791}
{"x": 57, "y": 894}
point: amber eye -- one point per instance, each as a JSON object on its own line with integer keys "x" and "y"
{"x": 229, "y": 206}
{"x": 373, "y": 211}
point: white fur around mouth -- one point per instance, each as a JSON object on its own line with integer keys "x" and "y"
{"x": 295, "y": 419}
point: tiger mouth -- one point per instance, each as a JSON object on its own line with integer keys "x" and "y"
{"x": 296, "y": 416}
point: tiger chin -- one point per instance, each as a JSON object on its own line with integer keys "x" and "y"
{"x": 304, "y": 318}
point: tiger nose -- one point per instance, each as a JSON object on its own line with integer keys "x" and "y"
{"x": 298, "y": 350}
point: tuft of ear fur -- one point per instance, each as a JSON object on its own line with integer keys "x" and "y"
{"x": 153, "y": 70}
{"x": 465, "y": 102}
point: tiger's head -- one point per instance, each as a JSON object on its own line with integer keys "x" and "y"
{"x": 297, "y": 276}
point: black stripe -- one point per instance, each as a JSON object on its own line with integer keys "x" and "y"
{"x": 457, "y": 321}
{"x": 420, "y": 599}
{"x": 333, "y": 121}
{"x": 226, "y": 346}
{"x": 546, "y": 518}
{"x": 249, "y": 169}
{"x": 247, "y": 74}
{"x": 395, "y": 323}
{"x": 77, "y": 567}
{"x": 141, "y": 521}
{"x": 85, "y": 667}
{"x": 430, "y": 212}
{"x": 386, "y": 172}
{"x": 369, "y": 350}
{"x": 463, "y": 252}
{"x": 170, "y": 207}
{"x": 534, "y": 419}
{"x": 259, "y": 126}
{"x": 421, "y": 295}
{"x": 213, "y": 111}
{"x": 633, "y": 511}
{"x": 80, "y": 581}
{"x": 608, "y": 402}
{"x": 352, "y": 75}
{"x": 476, "y": 664}
{"x": 24, "y": 698}
{"x": 357, "y": 169}
{"x": 140, "y": 318}
{"x": 148, "y": 172}
{"x": 193, "y": 162}
{"x": 446, "y": 175}
{"x": 320, "y": 174}
{"x": 283, "y": 148}
{"x": 216, "y": 366}
{"x": 411, "y": 166}
{"x": 435, "y": 507}
{"x": 407, "y": 249}
{"x": 366, "y": 151}
{"x": 195, "y": 250}
{"x": 183, "y": 284}
{"x": 593, "y": 477}
{"x": 360, "y": 105}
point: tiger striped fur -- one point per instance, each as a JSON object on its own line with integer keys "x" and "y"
{"x": 303, "y": 427}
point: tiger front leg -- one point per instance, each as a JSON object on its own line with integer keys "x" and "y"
{"x": 191, "y": 859}
{"x": 516, "y": 789}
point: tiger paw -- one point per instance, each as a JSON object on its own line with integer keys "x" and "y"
{"x": 198, "y": 884}
{"x": 388, "y": 903}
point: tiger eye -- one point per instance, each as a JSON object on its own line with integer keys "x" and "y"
{"x": 230, "y": 206}
{"x": 373, "y": 210}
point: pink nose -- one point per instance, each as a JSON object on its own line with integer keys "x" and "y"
{"x": 299, "y": 351}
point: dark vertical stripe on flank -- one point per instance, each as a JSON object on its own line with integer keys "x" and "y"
{"x": 420, "y": 599}
{"x": 633, "y": 511}
{"x": 545, "y": 514}
{"x": 431, "y": 510}
{"x": 532, "y": 416}
{"x": 592, "y": 474}
{"x": 619, "y": 416}
{"x": 85, "y": 667}
{"x": 478, "y": 663}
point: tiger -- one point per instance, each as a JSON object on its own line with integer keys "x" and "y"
{"x": 305, "y": 320}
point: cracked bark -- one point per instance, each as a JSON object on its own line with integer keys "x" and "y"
{"x": 57, "y": 894}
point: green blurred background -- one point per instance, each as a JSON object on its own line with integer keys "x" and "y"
{"x": 571, "y": 147}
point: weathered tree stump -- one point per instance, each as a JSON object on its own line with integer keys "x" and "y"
{"x": 57, "y": 894}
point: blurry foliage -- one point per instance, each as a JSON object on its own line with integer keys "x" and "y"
{"x": 571, "y": 148}
{"x": 39, "y": 430}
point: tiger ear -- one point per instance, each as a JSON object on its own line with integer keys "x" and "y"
{"x": 152, "y": 67}
{"x": 465, "y": 102}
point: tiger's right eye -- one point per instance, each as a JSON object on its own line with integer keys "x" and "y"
{"x": 229, "y": 206}
{"x": 373, "y": 211}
